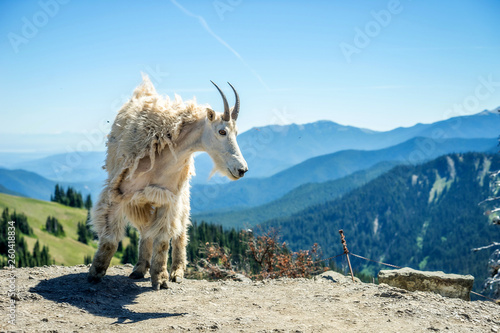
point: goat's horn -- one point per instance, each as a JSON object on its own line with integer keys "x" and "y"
{"x": 226, "y": 116}
{"x": 236, "y": 108}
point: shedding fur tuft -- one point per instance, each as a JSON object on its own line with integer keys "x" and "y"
{"x": 145, "y": 89}
{"x": 145, "y": 125}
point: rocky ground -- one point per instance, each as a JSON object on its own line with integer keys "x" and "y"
{"x": 59, "y": 299}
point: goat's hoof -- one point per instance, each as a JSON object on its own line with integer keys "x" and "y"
{"x": 95, "y": 274}
{"x": 159, "y": 280}
{"x": 158, "y": 285}
{"x": 136, "y": 275}
{"x": 177, "y": 276}
{"x": 176, "y": 279}
{"x": 94, "y": 278}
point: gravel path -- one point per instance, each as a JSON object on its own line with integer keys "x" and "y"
{"x": 59, "y": 299}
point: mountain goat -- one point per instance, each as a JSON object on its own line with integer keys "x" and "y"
{"x": 149, "y": 163}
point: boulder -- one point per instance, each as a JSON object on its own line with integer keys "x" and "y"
{"x": 448, "y": 285}
{"x": 335, "y": 277}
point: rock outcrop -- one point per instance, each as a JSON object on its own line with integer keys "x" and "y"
{"x": 448, "y": 285}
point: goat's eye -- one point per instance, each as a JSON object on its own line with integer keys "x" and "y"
{"x": 222, "y": 132}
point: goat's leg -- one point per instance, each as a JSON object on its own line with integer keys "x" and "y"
{"x": 180, "y": 241}
{"x": 163, "y": 228}
{"x": 145, "y": 252}
{"x": 110, "y": 227}
{"x": 141, "y": 217}
{"x": 179, "y": 257}
{"x": 159, "y": 273}
{"x": 102, "y": 260}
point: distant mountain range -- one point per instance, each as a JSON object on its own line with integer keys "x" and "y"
{"x": 280, "y": 158}
{"x": 426, "y": 217}
{"x": 28, "y": 184}
{"x": 268, "y": 149}
{"x": 68, "y": 167}
{"x": 246, "y": 193}
{"x": 32, "y": 185}
{"x": 5, "y": 190}
{"x": 271, "y": 149}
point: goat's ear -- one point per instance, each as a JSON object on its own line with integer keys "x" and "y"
{"x": 210, "y": 114}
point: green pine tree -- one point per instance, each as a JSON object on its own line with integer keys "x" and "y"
{"x": 88, "y": 202}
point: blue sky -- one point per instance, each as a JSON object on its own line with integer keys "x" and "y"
{"x": 421, "y": 61}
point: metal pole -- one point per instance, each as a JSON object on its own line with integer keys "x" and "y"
{"x": 346, "y": 251}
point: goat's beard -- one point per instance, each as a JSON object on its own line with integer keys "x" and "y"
{"x": 223, "y": 172}
{"x": 213, "y": 172}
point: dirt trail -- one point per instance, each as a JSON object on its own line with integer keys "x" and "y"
{"x": 59, "y": 299}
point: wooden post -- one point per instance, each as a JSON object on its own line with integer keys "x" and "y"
{"x": 346, "y": 251}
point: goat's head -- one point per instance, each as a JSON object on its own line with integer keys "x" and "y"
{"x": 219, "y": 139}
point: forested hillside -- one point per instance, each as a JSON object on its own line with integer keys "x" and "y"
{"x": 46, "y": 221}
{"x": 424, "y": 216}
{"x": 296, "y": 200}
